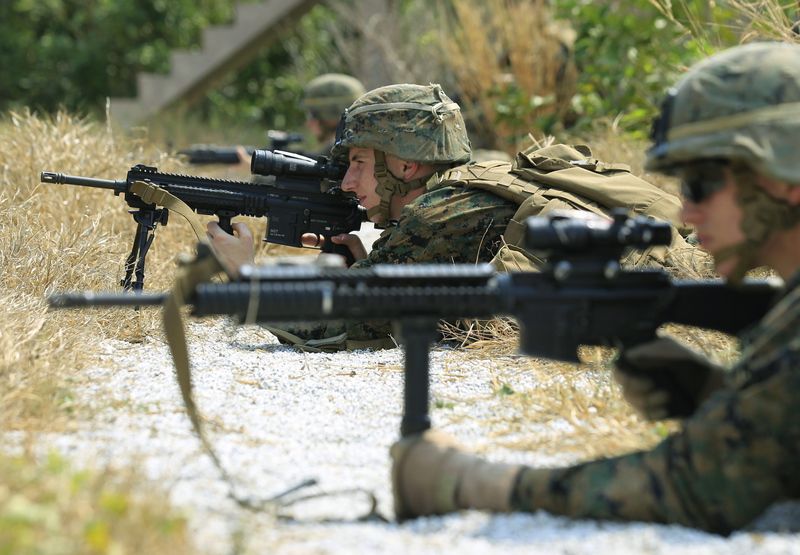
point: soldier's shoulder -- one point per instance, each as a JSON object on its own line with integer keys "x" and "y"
{"x": 449, "y": 192}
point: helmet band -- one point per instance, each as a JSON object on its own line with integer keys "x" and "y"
{"x": 781, "y": 112}
{"x": 439, "y": 111}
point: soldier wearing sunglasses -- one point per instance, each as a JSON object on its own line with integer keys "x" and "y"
{"x": 730, "y": 130}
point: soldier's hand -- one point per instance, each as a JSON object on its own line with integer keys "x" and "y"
{"x": 244, "y": 159}
{"x": 351, "y": 240}
{"x": 664, "y": 379}
{"x": 233, "y": 250}
{"x": 421, "y": 483}
{"x": 431, "y": 474}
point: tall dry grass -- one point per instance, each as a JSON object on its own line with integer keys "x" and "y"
{"x": 58, "y": 238}
{"x": 735, "y": 21}
{"x": 490, "y": 49}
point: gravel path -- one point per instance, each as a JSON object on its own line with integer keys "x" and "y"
{"x": 277, "y": 417}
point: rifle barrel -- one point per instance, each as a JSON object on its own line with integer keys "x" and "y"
{"x": 64, "y": 179}
{"x": 70, "y": 300}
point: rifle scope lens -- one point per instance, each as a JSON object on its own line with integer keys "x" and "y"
{"x": 278, "y": 163}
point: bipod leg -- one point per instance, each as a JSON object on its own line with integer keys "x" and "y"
{"x": 146, "y": 221}
{"x": 416, "y": 336}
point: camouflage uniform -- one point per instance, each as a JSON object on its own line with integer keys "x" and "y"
{"x": 447, "y": 224}
{"x": 454, "y": 221}
{"x": 465, "y": 210}
{"x": 421, "y": 124}
{"x": 733, "y": 458}
{"x": 738, "y": 451}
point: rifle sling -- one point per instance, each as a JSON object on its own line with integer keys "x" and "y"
{"x": 329, "y": 344}
{"x": 307, "y": 345}
{"x": 202, "y": 269}
{"x": 152, "y": 194}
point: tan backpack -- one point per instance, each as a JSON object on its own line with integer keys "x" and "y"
{"x": 568, "y": 177}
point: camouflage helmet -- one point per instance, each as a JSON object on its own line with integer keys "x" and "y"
{"x": 741, "y": 105}
{"x": 413, "y": 122}
{"x": 328, "y": 95}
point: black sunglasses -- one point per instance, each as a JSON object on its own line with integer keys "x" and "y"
{"x": 702, "y": 179}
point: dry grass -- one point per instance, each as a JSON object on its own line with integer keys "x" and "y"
{"x": 64, "y": 238}
{"x": 748, "y": 21}
{"x": 581, "y": 413}
{"x": 575, "y": 409}
{"x": 490, "y": 50}
{"x": 554, "y": 409}
{"x": 69, "y": 238}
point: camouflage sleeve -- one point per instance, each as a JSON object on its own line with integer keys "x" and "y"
{"x": 446, "y": 224}
{"x": 308, "y": 334}
{"x": 730, "y": 461}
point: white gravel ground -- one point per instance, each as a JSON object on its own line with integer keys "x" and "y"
{"x": 277, "y": 417}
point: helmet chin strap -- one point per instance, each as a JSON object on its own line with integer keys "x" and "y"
{"x": 762, "y": 215}
{"x": 388, "y": 186}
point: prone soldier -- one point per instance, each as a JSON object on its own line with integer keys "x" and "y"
{"x": 734, "y": 146}
{"x": 408, "y": 154}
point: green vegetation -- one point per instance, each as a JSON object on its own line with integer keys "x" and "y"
{"x": 624, "y": 74}
{"x": 505, "y": 389}
{"x": 73, "y": 54}
{"x": 50, "y": 509}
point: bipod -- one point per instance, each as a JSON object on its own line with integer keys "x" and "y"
{"x": 146, "y": 221}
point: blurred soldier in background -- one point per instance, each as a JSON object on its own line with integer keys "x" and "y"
{"x": 408, "y": 150}
{"x": 734, "y": 145}
{"x": 324, "y": 99}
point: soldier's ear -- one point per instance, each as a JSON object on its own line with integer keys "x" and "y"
{"x": 410, "y": 169}
{"x": 793, "y": 195}
{"x": 781, "y": 190}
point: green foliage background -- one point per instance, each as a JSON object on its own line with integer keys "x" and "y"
{"x": 630, "y": 51}
{"x": 265, "y": 93}
{"x": 72, "y": 54}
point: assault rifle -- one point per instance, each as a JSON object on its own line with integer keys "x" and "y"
{"x": 218, "y": 154}
{"x": 582, "y": 297}
{"x": 301, "y": 196}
